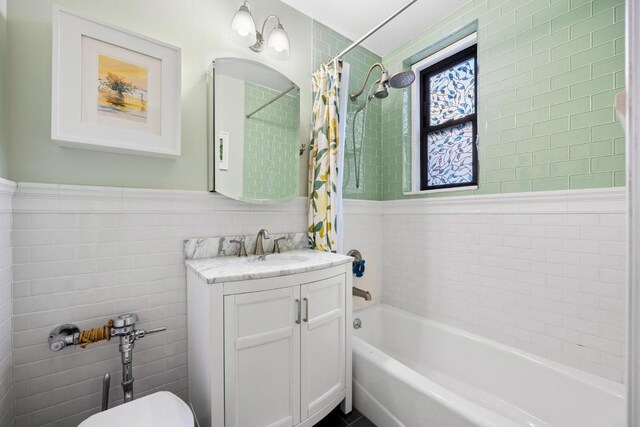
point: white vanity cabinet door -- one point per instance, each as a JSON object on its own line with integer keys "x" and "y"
{"x": 323, "y": 343}
{"x": 262, "y": 358}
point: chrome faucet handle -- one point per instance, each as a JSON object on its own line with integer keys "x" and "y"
{"x": 242, "y": 251}
{"x": 276, "y": 245}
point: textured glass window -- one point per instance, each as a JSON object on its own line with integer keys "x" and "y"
{"x": 450, "y": 157}
{"x": 453, "y": 92}
{"x": 448, "y": 152}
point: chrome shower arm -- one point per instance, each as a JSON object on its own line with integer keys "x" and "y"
{"x": 355, "y": 95}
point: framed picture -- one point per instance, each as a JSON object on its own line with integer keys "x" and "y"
{"x": 113, "y": 90}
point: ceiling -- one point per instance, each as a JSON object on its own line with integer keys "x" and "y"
{"x": 353, "y": 18}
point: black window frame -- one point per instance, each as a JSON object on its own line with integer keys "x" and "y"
{"x": 425, "y": 113}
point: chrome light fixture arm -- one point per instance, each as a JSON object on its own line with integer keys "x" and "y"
{"x": 259, "y": 46}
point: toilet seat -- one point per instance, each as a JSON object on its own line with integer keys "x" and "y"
{"x": 160, "y": 409}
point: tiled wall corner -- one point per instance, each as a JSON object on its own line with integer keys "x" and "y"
{"x": 547, "y": 76}
{"x": 7, "y": 393}
{"x": 363, "y": 225}
{"x": 326, "y": 44}
{"x": 544, "y": 277}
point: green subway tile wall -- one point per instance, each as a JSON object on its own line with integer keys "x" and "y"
{"x": 548, "y": 74}
{"x": 270, "y": 137}
{"x": 326, "y": 43}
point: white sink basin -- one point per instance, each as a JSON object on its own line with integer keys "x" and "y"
{"x": 277, "y": 259}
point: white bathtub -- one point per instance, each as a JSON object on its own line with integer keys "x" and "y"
{"x": 414, "y": 372}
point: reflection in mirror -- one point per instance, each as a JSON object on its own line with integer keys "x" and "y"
{"x": 254, "y": 133}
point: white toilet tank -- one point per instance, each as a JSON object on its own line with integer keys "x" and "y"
{"x": 161, "y": 409}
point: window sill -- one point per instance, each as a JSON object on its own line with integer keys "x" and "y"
{"x": 440, "y": 190}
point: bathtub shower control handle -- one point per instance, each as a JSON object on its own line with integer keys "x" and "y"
{"x": 298, "y": 311}
{"x": 306, "y": 310}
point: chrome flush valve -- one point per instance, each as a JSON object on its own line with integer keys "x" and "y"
{"x": 123, "y": 326}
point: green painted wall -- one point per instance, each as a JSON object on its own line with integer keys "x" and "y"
{"x": 199, "y": 27}
{"x": 270, "y": 138}
{"x": 548, "y": 74}
{"x": 3, "y": 56}
{"x": 326, "y": 43}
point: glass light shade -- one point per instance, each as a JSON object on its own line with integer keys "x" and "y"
{"x": 278, "y": 43}
{"x": 243, "y": 29}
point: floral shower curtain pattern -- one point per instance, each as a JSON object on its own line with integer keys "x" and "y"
{"x": 323, "y": 159}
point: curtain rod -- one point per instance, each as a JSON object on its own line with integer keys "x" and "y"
{"x": 370, "y": 33}
{"x": 272, "y": 100}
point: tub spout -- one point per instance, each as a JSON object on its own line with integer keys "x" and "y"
{"x": 357, "y": 292}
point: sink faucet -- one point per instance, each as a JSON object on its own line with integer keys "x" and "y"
{"x": 262, "y": 234}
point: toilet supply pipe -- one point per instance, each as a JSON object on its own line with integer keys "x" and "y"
{"x": 106, "y": 382}
{"x": 123, "y": 326}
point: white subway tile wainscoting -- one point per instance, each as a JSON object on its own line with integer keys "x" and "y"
{"x": 542, "y": 272}
{"x": 85, "y": 254}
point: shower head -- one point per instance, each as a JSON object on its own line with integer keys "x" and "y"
{"x": 402, "y": 79}
{"x": 397, "y": 81}
{"x": 381, "y": 92}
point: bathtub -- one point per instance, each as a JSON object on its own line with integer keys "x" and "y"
{"x": 414, "y": 372}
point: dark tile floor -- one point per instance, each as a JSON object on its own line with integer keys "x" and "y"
{"x": 337, "y": 419}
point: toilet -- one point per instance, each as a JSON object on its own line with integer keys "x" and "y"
{"x": 160, "y": 409}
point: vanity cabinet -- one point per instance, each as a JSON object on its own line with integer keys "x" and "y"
{"x": 270, "y": 351}
{"x": 322, "y": 344}
{"x": 262, "y": 358}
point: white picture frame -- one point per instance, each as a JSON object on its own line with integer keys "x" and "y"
{"x": 114, "y": 90}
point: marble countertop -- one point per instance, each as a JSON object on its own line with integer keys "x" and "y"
{"x": 232, "y": 268}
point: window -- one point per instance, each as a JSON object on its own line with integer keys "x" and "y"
{"x": 449, "y": 157}
{"x": 445, "y": 119}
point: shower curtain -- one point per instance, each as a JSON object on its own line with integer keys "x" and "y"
{"x": 325, "y": 183}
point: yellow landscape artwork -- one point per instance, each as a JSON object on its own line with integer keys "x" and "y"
{"x": 122, "y": 89}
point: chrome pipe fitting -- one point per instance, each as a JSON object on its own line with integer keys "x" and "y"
{"x": 106, "y": 383}
{"x": 64, "y": 335}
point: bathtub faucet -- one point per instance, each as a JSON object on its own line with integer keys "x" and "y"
{"x": 357, "y": 292}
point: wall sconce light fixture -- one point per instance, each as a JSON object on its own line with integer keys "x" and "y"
{"x": 244, "y": 33}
